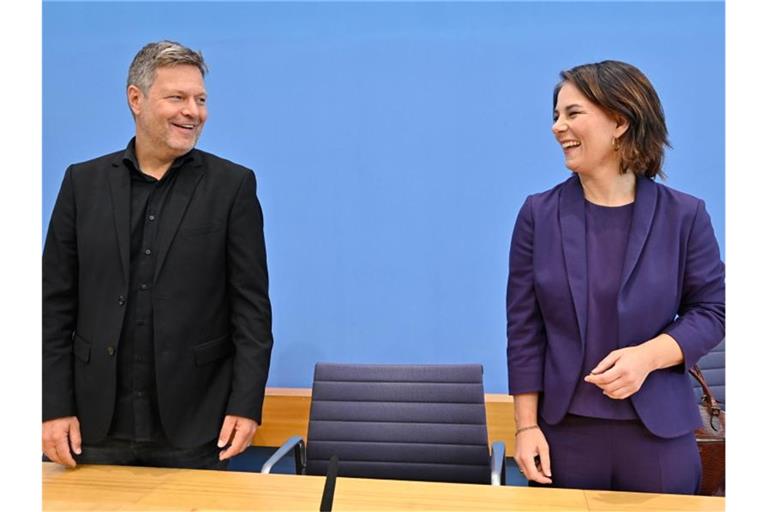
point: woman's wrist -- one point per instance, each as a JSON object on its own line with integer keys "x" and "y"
{"x": 526, "y": 407}
{"x": 528, "y": 427}
{"x": 663, "y": 352}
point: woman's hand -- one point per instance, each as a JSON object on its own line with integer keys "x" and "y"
{"x": 532, "y": 455}
{"x": 622, "y": 372}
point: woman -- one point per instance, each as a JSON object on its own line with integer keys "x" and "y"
{"x": 615, "y": 289}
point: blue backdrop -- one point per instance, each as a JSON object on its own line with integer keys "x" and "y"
{"x": 393, "y": 144}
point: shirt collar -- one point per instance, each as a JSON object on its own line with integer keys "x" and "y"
{"x": 129, "y": 157}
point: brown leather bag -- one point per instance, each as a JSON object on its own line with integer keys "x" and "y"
{"x": 711, "y": 440}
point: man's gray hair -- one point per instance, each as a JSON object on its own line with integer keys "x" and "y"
{"x": 160, "y": 54}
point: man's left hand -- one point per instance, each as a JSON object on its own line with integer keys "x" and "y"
{"x": 237, "y": 432}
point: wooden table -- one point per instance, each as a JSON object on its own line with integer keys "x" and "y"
{"x": 133, "y": 488}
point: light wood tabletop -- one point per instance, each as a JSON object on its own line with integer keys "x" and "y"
{"x": 133, "y": 488}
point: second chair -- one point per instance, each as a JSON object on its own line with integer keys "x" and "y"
{"x": 406, "y": 422}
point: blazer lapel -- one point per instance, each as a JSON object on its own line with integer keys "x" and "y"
{"x": 573, "y": 232}
{"x": 120, "y": 192}
{"x": 642, "y": 217}
{"x": 174, "y": 209}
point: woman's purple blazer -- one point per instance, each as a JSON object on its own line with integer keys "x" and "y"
{"x": 672, "y": 282}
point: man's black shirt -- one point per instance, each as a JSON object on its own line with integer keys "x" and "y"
{"x": 136, "y": 414}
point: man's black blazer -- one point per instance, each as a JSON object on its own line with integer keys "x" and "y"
{"x": 211, "y": 309}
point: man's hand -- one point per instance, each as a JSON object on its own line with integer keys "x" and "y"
{"x": 236, "y": 431}
{"x": 532, "y": 456}
{"x": 58, "y": 436}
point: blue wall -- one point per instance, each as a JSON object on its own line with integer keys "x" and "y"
{"x": 393, "y": 144}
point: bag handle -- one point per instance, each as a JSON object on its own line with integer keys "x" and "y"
{"x": 708, "y": 397}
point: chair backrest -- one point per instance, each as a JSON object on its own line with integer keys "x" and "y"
{"x": 713, "y": 367}
{"x": 406, "y": 422}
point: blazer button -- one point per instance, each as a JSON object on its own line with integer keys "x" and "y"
{"x": 121, "y": 300}
{"x": 111, "y": 350}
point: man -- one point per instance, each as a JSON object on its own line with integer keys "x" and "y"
{"x": 156, "y": 315}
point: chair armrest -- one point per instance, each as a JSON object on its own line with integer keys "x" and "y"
{"x": 295, "y": 443}
{"x": 498, "y": 463}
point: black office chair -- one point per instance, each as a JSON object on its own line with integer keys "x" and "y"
{"x": 406, "y": 422}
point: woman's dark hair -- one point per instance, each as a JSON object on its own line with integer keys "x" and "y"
{"x": 623, "y": 91}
